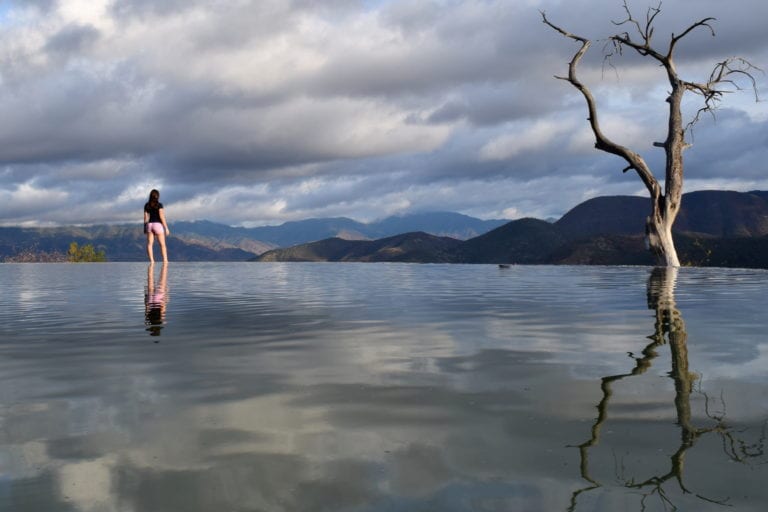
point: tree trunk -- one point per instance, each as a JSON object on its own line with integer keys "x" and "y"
{"x": 658, "y": 232}
{"x": 665, "y": 209}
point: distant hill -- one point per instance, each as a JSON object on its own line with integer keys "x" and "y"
{"x": 715, "y": 229}
{"x": 219, "y": 236}
{"x": 121, "y": 243}
{"x": 724, "y": 214}
{"x": 408, "y": 247}
{"x": 454, "y": 225}
{"x": 703, "y": 213}
{"x": 604, "y": 249}
{"x": 614, "y": 215}
{"x": 209, "y": 241}
{"x": 737, "y": 252}
{"x": 519, "y": 241}
{"x": 310, "y": 230}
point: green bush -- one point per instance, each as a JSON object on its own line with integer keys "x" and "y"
{"x": 86, "y": 253}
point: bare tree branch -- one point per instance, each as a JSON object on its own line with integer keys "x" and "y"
{"x": 700, "y": 23}
{"x": 645, "y": 33}
{"x": 602, "y": 142}
{"x": 724, "y": 74}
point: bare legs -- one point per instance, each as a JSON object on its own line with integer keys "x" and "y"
{"x": 150, "y": 243}
{"x": 163, "y": 249}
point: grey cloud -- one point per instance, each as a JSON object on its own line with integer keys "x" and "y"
{"x": 449, "y": 112}
{"x": 729, "y": 145}
{"x": 146, "y": 8}
{"x": 490, "y": 104}
{"x": 437, "y": 51}
{"x": 42, "y": 5}
{"x": 105, "y": 110}
{"x": 72, "y": 39}
{"x": 232, "y": 26}
{"x": 420, "y": 72}
{"x": 73, "y": 117}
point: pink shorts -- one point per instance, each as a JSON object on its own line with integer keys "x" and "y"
{"x": 156, "y": 228}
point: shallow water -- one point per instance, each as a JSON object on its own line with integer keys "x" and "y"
{"x": 381, "y": 387}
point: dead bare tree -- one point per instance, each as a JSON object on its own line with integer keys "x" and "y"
{"x": 724, "y": 78}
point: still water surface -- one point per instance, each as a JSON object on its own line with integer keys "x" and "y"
{"x": 381, "y": 387}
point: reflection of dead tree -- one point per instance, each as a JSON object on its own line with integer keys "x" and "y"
{"x": 669, "y": 328}
{"x": 641, "y": 365}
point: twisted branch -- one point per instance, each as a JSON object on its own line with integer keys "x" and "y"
{"x": 602, "y": 142}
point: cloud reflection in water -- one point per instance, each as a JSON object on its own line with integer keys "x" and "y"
{"x": 372, "y": 387}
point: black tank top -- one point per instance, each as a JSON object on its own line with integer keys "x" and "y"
{"x": 154, "y": 213}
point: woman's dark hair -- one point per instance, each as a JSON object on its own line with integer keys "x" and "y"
{"x": 154, "y": 198}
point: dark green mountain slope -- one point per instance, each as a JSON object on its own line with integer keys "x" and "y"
{"x": 614, "y": 215}
{"x": 519, "y": 241}
{"x": 724, "y": 214}
{"x": 704, "y": 213}
{"x": 408, "y": 247}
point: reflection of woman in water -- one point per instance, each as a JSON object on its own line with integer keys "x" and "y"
{"x": 155, "y": 225}
{"x": 155, "y": 300}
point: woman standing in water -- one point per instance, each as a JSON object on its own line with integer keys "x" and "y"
{"x": 155, "y": 225}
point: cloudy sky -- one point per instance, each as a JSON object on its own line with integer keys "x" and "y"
{"x": 252, "y": 112}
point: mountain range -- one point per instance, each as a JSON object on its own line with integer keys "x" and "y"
{"x": 454, "y": 225}
{"x": 210, "y": 241}
{"x": 714, "y": 228}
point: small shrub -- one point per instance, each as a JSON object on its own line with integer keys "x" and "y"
{"x": 85, "y": 254}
